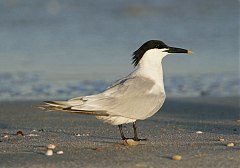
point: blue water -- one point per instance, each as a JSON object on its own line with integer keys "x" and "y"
{"x": 21, "y": 86}
{"x": 60, "y": 49}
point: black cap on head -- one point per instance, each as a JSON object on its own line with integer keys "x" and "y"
{"x": 138, "y": 54}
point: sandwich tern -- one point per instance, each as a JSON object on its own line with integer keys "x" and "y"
{"x": 136, "y": 97}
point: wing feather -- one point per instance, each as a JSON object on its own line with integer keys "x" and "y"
{"x": 129, "y": 97}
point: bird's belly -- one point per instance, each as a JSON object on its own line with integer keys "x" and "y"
{"x": 116, "y": 120}
{"x": 140, "y": 112}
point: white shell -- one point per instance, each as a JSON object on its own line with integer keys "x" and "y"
{"x": 59, "y": 152}
{"x": 49, "y": 152}
{"x": 199, "y": 132}
{"x": 221, "y": 139}
{"x": 51, "y": 146}
{"x": 230, "y": 144}
{"x": 32, "y": 135}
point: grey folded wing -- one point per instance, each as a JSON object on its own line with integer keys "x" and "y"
{"x": 130, "y": 98}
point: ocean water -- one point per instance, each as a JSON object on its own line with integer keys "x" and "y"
{"x": 21, "y": 86}
{"x": 61, "y": 49}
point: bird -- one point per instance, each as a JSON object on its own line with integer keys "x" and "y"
{"x": 137, "y": 96}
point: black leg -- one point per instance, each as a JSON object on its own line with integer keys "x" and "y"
{"x": 121, "y": 132}
{"x": 135, "y": 133}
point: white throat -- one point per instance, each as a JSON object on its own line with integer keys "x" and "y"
{"x": 150, "y": 66}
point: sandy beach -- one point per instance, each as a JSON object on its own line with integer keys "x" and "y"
{"x": 87, "y": 142}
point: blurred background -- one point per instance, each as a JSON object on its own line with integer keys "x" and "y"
{"x": 61, "y": 49}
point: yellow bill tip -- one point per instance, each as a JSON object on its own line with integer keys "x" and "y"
{"x": 189, "y": 52}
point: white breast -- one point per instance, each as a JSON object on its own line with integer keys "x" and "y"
{"x": 150, "y": 67}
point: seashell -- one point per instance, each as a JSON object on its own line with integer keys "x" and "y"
{"x": 130, "y": 142}
{"x": 221, "y": 139}
{"x": 51, "y": 146}
{"x": 20, "y": 133}
{"x": 176, "y": 157}
{"x": 49, "y": 152}
{"x": 199, "y": 132}
{"x": 59, "y": 152}
{"x": 230, "y": 144}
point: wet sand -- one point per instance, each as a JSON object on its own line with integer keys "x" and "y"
{"x": 87, "y": 142}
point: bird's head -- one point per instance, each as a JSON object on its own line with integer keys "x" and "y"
{"x": 158, "y": 47}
